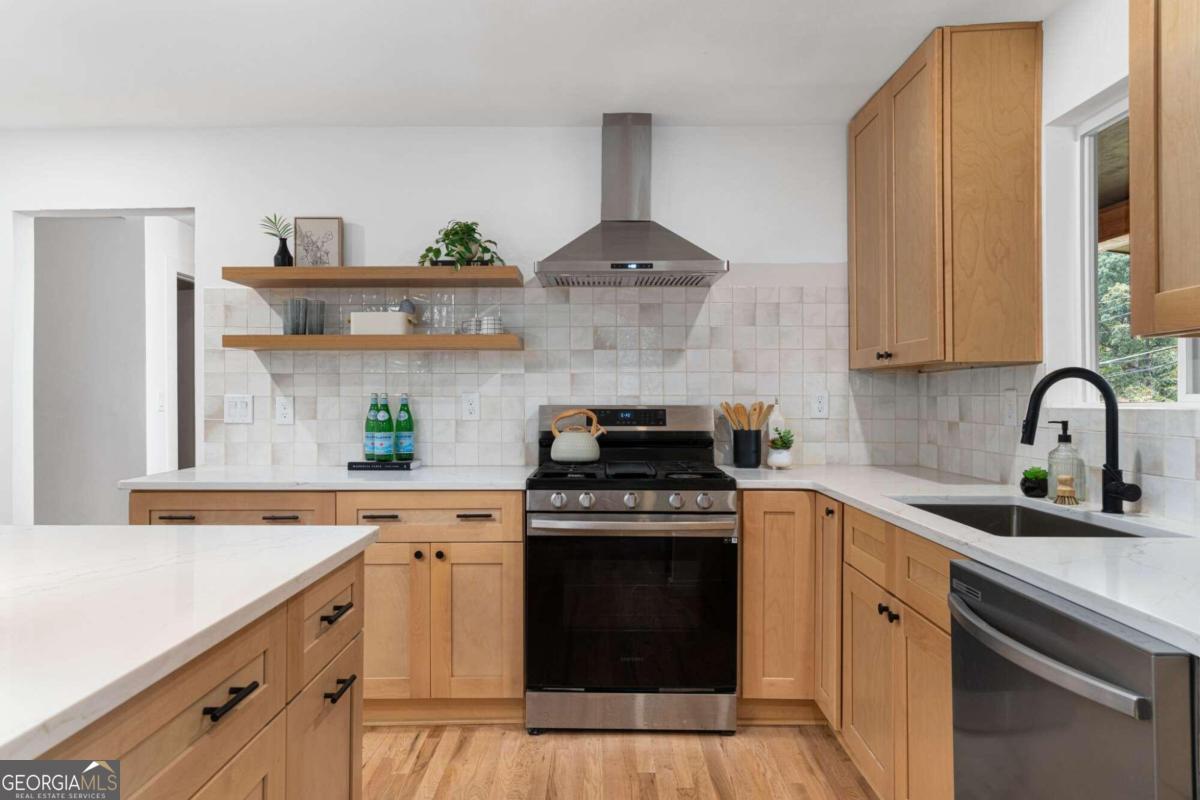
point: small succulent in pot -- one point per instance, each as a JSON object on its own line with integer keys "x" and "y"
{"x": 459, "y": 244}
{"x": 779, "y": 456}
{"x": 280, "y": 228}
{"x": 1035, "y": 482}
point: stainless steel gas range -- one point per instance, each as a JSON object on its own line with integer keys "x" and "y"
{"x": 631, "y": 578}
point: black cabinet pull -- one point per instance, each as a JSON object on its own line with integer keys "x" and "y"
{"x": 892, "y": 616}
{"x": 178, "y": 517}
{"x": 887, "y": 354}
{"x": 281, "y": 517}
{"x": 879, "y": 356}
{"x": 474, "y": 515}
{"x": 381, "y": 516}
{"x": 343, "y": 685}
{"x": 239, "y": 693}
{"x": 338, "y": 613}
{"x": 439, "y": 555}
{"x": 829, "y": 512}
{"x": 418, "y": 555}
{"x": 882, "y": 609}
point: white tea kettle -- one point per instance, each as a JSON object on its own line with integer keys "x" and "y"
{"x": 575, "y": 444}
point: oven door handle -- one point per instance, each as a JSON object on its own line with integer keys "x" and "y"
{"x": 582, "y": 527}
{"x": 1061, "y": 675}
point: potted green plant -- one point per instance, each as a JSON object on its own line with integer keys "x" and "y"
{"x": 779, "y": 453}
{"x": 459, "y": 244}
{"x": 1035, "y": 482}
{"x": 280, "y": 228}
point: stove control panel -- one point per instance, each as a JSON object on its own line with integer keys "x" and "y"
{"x": 640, "y": 501}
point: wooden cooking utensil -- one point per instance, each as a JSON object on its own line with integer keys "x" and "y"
{"x": 756, "y": 415}
{"x": 730, "y": 416}
{"x": 766, "y": 414}
{"x": 743, "y": 416}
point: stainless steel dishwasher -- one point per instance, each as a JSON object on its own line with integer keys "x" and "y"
{"x": 1052, "y": 700}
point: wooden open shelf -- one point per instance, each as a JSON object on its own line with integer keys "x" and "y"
{"x": 342, "y": 277}
{"x": 414, "y": 341}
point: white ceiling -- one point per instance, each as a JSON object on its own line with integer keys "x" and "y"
{"x": 72, "y": 63}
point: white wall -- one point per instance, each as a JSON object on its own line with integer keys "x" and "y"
{"x": 753, "y": 195}
{"x": 89, "y": 367}
{"x": 1085, "y": 50}
{"x": 169, "y": 249}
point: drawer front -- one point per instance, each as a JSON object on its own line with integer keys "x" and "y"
{"x": 165, "y": 737}
{"x": 436, "y": 516}
{"x": 322, "y": 620}
{"x": 921, "y": 575}
{"x": 255, "y": 773}
{"x": 231, "y": 508}
{"x": 324, "y": 743}
{"x": 867, "y": 544}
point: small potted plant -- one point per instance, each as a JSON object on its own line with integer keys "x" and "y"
{"x": 277, "y": 226}
{"x": 1035, "y": 483}
{"x": 459, "y": 245}
{"x": 779, "y": 454}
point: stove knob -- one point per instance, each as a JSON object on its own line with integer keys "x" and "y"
{"x": 631, "y": 500}
{"x": 587, "y": 499}
{"x": 704, "y": 500}
{"x": 558, "y": 499}
{"x": 675, "y": 500}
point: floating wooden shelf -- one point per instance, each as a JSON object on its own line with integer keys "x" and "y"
{"x": 341, "y": 277}
{"x": 415, "y": 341}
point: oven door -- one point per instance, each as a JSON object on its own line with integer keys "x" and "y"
{"x": 631, "y": 602}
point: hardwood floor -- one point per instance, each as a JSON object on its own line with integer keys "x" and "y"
{"x": 502, "y": 761}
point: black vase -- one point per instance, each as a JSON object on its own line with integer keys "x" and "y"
{"x": 283, "y": 256}
{"x": 1035, "y": 487}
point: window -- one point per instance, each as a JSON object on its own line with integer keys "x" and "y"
{"x": 1154, "y": 370}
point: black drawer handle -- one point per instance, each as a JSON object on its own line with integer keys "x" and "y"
{"x": 439, "y": 555}
{"x": 882, "y": 609}
{"x": 418, "y": 555}
{"x": 178, "y": 517}
{"x": 239, "y": 693}
{"x": 343, "y": 685}
{"x": 381, "y": 516}
{"x": 892, "y": 616}
{"x": 474, "y": 515}
{"x": 281, "y": 517}
{"x": 829, "y": 512}
{"x": 338, "y": 613}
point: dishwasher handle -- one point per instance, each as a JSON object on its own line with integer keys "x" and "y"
{"x": 1061, "y": 675}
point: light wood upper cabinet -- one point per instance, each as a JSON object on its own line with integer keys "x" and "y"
{"x": 396, "y": 627}
{"x": 476, "y": 609}
{"x": 827, "y": 597}
{"x": 777, "y": 595}
{"x": 924, "y": 734}
{"x": 868, "y": 681}
{"x": 1164, "y": 160}
{"x": 958, "y": 251}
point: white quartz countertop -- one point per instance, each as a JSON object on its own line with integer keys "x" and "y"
{"x": 234, "y": 479}
{"x": 92, "y": 615}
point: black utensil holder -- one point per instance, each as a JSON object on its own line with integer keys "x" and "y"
{"x": 747, "y": 448}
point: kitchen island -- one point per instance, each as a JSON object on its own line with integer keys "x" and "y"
{"x": 177, "y": 649}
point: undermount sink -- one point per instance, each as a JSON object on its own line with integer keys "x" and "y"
{"x": 1015, "y": 519}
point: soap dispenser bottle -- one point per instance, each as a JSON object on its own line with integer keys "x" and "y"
{"x": 1065, "y": 460}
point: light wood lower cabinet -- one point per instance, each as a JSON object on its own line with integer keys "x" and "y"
{"x": 324, "y": 741}
{"x": 231, "y": 508}
{"x": 255, "y": 773}
{"x": 924, "y": 719}
{"x": 868, "y": 681}
{"x": 777, "y": 595}
{"x": 396, "y": 629}
{"x": 827, "y": 600}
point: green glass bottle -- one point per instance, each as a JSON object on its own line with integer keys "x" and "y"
{"x": 383, "y": 421}
{"x": 369, "y": 429}
{"x": 404, "y": 431}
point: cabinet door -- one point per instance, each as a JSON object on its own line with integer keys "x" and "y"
{"x": 868, "y": 682}
{"x": 396, "y": 646}
{"x": 827, "y": 681}
{"x": 324, "y": 732}
{"x": 915, "y": 283}
{"x": 476, "y": 620}
{"x": 867, "y": 157}
{"x": 924, "y": 722}
{"x": 777, "y": 595}
{"x": 1164, "y": 160}
{"x": 256, "y": 772}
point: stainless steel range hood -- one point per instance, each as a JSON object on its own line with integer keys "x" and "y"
{"x": 627, "y": 248}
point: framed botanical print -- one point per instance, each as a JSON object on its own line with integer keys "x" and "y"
{"x": 318, "y": 241}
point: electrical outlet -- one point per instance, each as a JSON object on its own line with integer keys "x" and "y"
{"x": 818, "y": 406}
{"x": 239, "y": 409}
{"x": 1010, "y": 407}
{"x": 284, "y": 415}
{"x": 470, "y": 405}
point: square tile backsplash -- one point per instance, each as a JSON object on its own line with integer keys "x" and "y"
{"x": 588, "y": 346}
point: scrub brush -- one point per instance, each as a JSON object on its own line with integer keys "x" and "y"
{"x": 1066, "y": 491}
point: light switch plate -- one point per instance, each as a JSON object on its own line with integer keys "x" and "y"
{"x": 470, "y": 405}
{"x": 284, "y": 415}
{"x": 239, "y": 409}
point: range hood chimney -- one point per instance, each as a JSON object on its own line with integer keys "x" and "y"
{"x": 627, "y": 248}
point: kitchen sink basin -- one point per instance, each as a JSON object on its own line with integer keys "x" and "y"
{"x": 1017, "y": 520}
